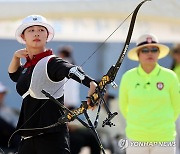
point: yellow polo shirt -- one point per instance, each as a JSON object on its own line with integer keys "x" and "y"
{"x": 150, "y": 103}
{"x": 177, "y": 71}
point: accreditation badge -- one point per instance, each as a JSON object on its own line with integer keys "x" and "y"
{"x": 160, "y": 85}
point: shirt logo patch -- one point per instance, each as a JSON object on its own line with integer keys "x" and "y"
{"x": 160, "y": 85}
{"x": 35, "y": 19}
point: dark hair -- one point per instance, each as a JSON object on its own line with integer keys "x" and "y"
{"x": 66, "y": 51}
{"x": 175, "y": 49}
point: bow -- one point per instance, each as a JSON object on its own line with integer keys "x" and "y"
{"x": 96, "y": 97}
{"x": 108, "y": 78}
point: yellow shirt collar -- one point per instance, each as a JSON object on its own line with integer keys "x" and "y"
{"x": 154, "y": 72}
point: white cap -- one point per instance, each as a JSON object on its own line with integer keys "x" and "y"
{"x": 3, "y": 89}
{"x": 33, "y": 20}
{"x": 148, "y": 40}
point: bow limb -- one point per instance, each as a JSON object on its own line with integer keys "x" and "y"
{"x": 67, "y": 117}
{"x": 31, "y": 130}
{"x": 127, "y": 42}
{"x": 112, "y": 72}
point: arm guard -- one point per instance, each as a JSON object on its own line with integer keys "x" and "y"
{"x": 76, "y": 71}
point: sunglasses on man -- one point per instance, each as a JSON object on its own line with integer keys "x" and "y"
{"x": 151, "y": 49}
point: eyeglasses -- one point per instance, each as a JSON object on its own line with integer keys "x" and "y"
{"x": 147, "y": 50}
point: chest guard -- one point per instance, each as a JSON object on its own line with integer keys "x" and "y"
{"x": 41, "y": 81}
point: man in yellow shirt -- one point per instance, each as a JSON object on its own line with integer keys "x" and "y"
{"x": 175, "y": 53}
{"x": 149, "y": 99}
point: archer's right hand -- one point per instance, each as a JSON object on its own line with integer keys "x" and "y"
{"x": 22, "y": 53}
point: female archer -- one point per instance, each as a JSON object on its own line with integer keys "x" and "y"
{"x": 42, "y": 70}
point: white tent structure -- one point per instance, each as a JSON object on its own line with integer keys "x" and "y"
{"x": 95, "y": 20}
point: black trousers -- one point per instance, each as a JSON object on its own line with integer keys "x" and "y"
{"x": 83, "y": 137}
{"x": 50, "y": 143}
